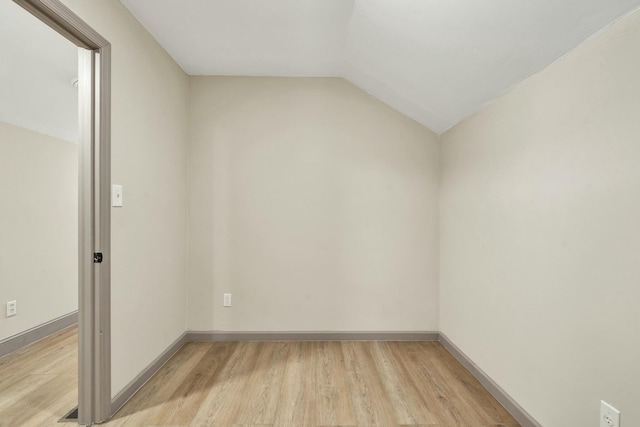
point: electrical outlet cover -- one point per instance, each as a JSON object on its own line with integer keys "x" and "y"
{"x": 12, "y": 308}
{"x": 609, "y": 416}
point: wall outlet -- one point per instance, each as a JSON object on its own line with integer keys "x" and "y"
{"x": 12, "y": 308}
{"x": 227, "y": 300}
{"x": 609, "y": 416}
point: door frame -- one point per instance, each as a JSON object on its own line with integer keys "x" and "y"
{"x": 94, "y": 207}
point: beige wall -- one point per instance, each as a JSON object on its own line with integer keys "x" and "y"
{"x": 149, "y": 110}
{"x": 540, "y": 232}
{"x": 314, "y": 204}
{"x": 317, "y": 207}
{"x": 38, "y": 228}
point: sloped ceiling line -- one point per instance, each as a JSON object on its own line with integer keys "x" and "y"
{"x": 436, "y": 61}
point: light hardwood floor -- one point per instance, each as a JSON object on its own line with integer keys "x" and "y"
{"x": 264, "y": 384}
{"x": 39, "y": 383}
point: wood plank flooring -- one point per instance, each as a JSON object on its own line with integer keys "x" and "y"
{"x": 264, "y": 384}
{"x": 39, "y": 383}
{"x": 313, "y": 384}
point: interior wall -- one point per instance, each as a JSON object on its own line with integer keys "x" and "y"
{"x": 149, "y": 119}
{"x": 314, "y": 204}
{"x": 540, "y": 234}
{"x": 38, "y": 228}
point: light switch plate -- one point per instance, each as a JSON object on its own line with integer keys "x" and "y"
{"x": 116, "y": 196}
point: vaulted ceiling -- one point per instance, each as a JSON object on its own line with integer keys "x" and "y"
{"x": 437, "y": 61}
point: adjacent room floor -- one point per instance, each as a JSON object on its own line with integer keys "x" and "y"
{"x": 292, "y": 384}
{"x": 39, "y": 383}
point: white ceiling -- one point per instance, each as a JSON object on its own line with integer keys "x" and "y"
{"x": 249, "y": 37}
{"x": 36, "y": 68}
{"x": 437, "y": 61}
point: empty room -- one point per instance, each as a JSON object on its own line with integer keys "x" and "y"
{"x": 320, "y": 213}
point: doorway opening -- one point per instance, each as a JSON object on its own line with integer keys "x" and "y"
{"x": 92, "y": 194}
